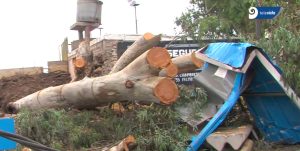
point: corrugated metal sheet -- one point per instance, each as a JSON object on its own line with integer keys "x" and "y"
{"x": 274, "y": 112}
{"x": 232, "y": 54}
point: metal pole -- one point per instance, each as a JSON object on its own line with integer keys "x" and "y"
{"x": 80, "y": 35}
{"x": 136, "y": 26}
{"x": 258, "y": 29}
{"x": 258, "y": 24}
{"x": 100, "y": 30}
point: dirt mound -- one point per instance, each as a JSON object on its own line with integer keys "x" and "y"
{"x": 16, "y": 87}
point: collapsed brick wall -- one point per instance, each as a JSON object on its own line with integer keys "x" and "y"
{"x": 105, "y": 56}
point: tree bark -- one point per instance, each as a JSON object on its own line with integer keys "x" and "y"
{"x": 184, "y": 63}
{"x": 144, "y": 43}
{"x": 138, "y": 81}
{"x": 124, "y": 145}
{"x": 83, "y": 61}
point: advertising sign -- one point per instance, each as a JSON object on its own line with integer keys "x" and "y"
{"x": 176, "y": 50}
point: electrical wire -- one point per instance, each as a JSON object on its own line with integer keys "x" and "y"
{"x": 31, "y": 145}
{"x": 26, "y": 141}
{"x": 15, "y": 136}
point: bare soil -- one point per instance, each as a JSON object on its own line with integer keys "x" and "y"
{"x": 16, "y": 87}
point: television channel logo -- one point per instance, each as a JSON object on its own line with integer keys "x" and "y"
{"x": 264, "y": 12}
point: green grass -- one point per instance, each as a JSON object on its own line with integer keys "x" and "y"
{"x": 155, "y": 127}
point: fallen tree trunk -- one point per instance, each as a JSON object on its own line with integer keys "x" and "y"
{"x": 141, "y": 45}
{"x": 182, "y": 64}
{"x": 137, "y": 81}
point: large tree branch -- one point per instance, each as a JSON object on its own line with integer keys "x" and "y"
{"x": 141, "y": 45}
{"x": 138, "y": 81}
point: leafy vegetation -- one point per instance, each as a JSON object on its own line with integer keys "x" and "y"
{"x": 212, "y": 19}
{"x": 155, "y": 127}
{"x": 193, "y": 98}
{"x": 283, "y": 43}
{"x": 284, "y": 46}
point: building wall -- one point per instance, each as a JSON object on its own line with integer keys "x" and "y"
{"x": 54, "y": 66}
{"x": 105, "y": 55}
{"x": 20, "y": 71}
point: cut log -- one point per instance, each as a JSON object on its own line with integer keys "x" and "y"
{"x": 166, "y": 90}
{"x": 124, "y": 145}
{"x": 82, "y": 62}
{"x": 79, "y": 62}
{"x": 171, "y": 70}
{"x": 87, "y": 56}
{"x": 184, "y": 63}
{"x": 141, "y": 45}
{"x": 159, "y": 57}
{"x": 187, "y": 63}
{"x": 138, "y": 81}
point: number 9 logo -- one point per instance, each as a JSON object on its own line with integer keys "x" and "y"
{"x": 253, "y": 12}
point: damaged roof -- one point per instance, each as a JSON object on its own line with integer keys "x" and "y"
{"x": 272, "y": 103}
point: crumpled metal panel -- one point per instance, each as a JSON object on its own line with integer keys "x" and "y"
{"x": 273, "y": 104}
{"x": 217, "y": 87}
{"x": 232, "y": 54}
{"x": 271, "y": 101}
{"x": 275, "y": 114}
{"x": 186, "y": 114}
{"x": 198, "y": 140}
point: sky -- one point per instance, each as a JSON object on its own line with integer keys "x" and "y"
{"x": 32, "y": 30}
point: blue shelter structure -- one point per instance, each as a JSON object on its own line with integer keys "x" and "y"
{"x": 241, "y": 69}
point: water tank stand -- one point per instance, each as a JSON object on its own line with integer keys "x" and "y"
{"x": 84, "y": 26}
